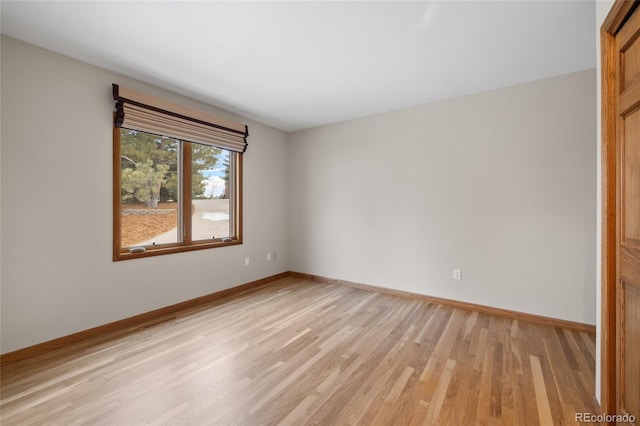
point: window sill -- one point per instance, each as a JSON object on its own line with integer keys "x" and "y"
{"x": 172, "y": 248}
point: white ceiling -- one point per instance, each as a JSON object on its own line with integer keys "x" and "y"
{"x": 296, "y": 65}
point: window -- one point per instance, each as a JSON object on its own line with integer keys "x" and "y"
{"x": 177, "y": 185}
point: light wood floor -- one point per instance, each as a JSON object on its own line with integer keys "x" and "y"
{"x": 301, "y": 352}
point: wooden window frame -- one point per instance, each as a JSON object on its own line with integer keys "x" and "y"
{"x": 186, "y": 244}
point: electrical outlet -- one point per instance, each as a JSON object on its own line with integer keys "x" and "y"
{"x": 247, "y": 261}
{"x": 457, "y": 274}
{"x": 269, "y": 257}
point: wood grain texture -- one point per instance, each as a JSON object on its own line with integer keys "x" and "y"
{"x": 306, "y": 352}
{"x": 631, "y": 363}
{"x": 609, "y": 104}
{"x": 630, "y": 65}
{"x": 554, "y": 322}
{"x": 619, "y": 10}
{"x": 630, "y": 160}
{"x": 129, "y": 325}
{"x": 627, "y": 48}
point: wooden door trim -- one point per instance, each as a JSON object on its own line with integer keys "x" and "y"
{"x": 616, "y": 17}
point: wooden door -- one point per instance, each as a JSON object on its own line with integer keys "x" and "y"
{"x": 626, "y": 249}
{"x": 628, "y": 218}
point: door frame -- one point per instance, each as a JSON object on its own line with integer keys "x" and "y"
{"x": 609, "y": 92}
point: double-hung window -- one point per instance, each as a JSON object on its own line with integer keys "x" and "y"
{"x": 177, "y": 177}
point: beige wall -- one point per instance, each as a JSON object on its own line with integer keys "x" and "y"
{"x": 57, "y": 273}
{"x": 501, "y": 184}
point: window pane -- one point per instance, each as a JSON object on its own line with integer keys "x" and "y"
{"x": 210, "y": 192}
{"x": 149, "y": 189}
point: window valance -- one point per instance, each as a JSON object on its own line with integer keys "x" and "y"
{"x": 146, "y": 113}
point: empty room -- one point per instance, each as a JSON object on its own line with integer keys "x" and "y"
{"x": 332, "y": 213}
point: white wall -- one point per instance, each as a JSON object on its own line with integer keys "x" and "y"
{"x": 602, "y": 10}
{"x": 56, "y": 175}
{"x": 500, "y": 184}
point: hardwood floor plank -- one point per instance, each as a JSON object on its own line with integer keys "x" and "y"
{"x": 542, "y": 401}
{"x": 443, "y": 347}
{"x": 303, "y": 352}
{"x": 484, "y": 400}
{"x": 495, "y": 406}
{"x": 393, "y": 395}
{"x": 438, "y": 398}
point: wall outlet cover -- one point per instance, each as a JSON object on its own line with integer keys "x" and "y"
{"x": 457, "y": 274}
